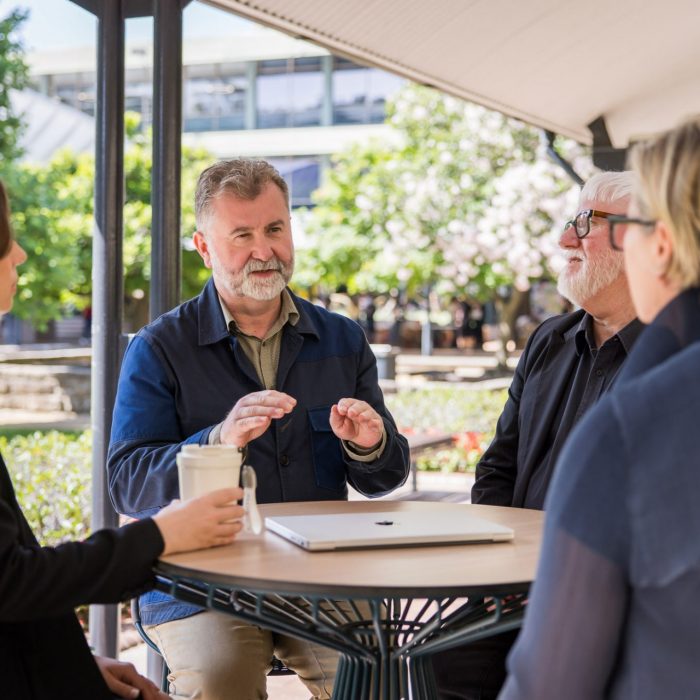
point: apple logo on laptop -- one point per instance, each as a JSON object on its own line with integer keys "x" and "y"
{"x": 384, "y": 522}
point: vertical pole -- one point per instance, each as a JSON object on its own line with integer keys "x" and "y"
{"x": 107, "y": 283}
{"x": 327, "y": 99}
{"x": 167, "y": 133}
{"x": 251, "y": 95}
{"x": 426, "y": 330}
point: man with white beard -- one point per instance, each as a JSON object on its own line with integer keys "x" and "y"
{"x": 247, "y": 363}
{"x": 567, "y": 365}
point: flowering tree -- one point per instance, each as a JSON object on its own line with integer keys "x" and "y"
{"x": 465, "y": 202}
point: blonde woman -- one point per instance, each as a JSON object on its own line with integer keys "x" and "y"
{"x": 613, "y": 612}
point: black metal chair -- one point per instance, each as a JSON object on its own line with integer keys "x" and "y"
{"x": 157, "y": 657}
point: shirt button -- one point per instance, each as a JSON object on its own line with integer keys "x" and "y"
{"x": 599, "y": 373}
{"x": 284, "y": 460}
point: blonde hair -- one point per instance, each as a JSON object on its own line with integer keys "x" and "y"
{"x": 667, "y": 188}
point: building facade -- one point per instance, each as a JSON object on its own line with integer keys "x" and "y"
{"x": 257, "y": 94}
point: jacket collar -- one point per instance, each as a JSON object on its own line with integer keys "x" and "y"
{"x": 212, "y": 326}
{"x": 584, "y": 335}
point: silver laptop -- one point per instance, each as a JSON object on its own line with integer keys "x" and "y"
{"x": 391, "y": 529}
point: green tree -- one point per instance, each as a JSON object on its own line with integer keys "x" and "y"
{"x": 13, "y": 76}
{"x": 137, "y": 223}
{"x": 465, "y": 201}
{"x": 53, "y": 217}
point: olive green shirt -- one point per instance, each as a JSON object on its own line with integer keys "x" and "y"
{"x": 264, "y": 354}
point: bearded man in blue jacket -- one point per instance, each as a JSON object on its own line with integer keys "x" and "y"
{"x": 247, "y": 363}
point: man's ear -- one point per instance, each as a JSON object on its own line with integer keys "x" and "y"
{"x": 200, "y": 243}
{"x": 662, "y": 249}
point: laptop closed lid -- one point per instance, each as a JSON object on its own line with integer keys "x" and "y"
{"x": 322, "y": 532}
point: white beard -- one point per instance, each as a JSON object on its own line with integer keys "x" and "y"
{"x": 585, "y": 283}
{"x": 243, "y": 284}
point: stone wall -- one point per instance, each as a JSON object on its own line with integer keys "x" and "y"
{"x": 45, "y": 387}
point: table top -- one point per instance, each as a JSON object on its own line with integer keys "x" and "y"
{"x": 268, "y": 562}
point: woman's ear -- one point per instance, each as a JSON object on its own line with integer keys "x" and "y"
{"x": 662, "y": 249}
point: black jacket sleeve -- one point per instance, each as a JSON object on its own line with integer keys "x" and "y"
{"x": 37, "y": 582}
{"x": 498, "y": 467}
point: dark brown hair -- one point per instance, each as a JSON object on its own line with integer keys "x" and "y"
{"x": 5, "y": 226}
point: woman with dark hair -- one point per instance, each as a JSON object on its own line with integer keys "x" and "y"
{"x": 612, "y": 612}
{"x": 43, "y": 651}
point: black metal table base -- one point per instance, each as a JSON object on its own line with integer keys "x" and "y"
{"x": 385, "y": 643}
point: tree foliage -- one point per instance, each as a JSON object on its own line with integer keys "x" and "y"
{"x": 465, "y": 202}
{"x": 13, "y": 76}
{"x": 53, "y": 218}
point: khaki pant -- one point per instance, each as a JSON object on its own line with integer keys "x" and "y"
{"x": 213, "y": 656}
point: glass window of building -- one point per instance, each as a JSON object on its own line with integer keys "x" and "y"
{"x": 289, "y": 93}
{"x": 78, "y": 91}
{"x": 360, "y": 93}
{"x": 214, "y": 97}
{"x": 138, "y": 97}
{"x": 302, "y": 175}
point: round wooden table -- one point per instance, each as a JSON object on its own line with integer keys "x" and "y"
{"x": 385, "y": 610}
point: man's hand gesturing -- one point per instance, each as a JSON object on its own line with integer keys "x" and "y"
{"x": 252, "y": 415}
{"x": 357, "y": 422}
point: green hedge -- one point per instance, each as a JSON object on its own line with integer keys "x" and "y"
{"x": 470, "y": 415}
{"x": 449, "y": 409}
{"x": 51, "y": 473}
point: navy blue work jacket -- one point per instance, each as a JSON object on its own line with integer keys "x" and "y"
{"x": 184, "y": 372}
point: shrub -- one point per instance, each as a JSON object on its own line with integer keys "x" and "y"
{"x": 51, "y": 473}
{"x": 470, "y": 415}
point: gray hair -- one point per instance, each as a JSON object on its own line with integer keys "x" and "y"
{"x": 243, "y": 178}
{"x": 608, "y": 187}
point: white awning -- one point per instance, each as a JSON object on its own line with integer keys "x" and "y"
{"x": 557, "y": 64}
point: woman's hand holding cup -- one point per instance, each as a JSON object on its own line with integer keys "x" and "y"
{"x": 206, "y": 521}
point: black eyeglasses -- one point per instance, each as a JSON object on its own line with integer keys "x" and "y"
{"x": 617, "y": 228}
{"x": 582, "y": 221}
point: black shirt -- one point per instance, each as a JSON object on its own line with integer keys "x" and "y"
{"x": 592, "y": 375}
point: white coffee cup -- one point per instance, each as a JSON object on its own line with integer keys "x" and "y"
{"x": 205, "y": 468}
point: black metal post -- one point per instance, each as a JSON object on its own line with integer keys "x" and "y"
{"x": 107, "y": 283}
{"x": 167, "y": 132}
{"x": 605, "y": 155}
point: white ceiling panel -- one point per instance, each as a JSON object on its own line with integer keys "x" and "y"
{"x": 558, "y": 64}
